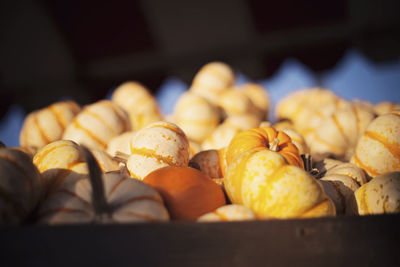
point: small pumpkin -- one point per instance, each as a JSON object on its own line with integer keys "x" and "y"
{"x": 102, "y": 198}
{"x": 228, "y": 213}
{"x": 297, "y": 139}
{"x": 378, "y": 149}
{"x": 264, "y": 137}
{"x": 120, "y": 143}
{"x": 235, "y": 102}
{"x": 46, "y": 125}
{"x": 196, "y": 116}
{"x": 212, "y": 79}
{"x": 188, "y": 193}
{"x": 263, "y": 181}
{"x": 157, "y": 145}
{"x": 385, "y": 107}
{"x": 210, "y": 162}
{"x": 224, "y": 133}
{"x": 380, "y": 195}
{"x": 20, "y": 186}
{"x": 137, "y": 101}
{"x": 97, "y": 124}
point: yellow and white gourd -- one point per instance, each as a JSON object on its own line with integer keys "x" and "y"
{"x": 212, "y": 79}
{"x": 232, "y": 125}
{"x": 120, "y": 143}
{"x": 236, "y": 102}
{"x": 137, "y": 101}
{"x": 97, "y": 124}
{"x": 210, "y": 162}
{"x": 157, "y": 145}
{"x": 378, "y": 150}
{"x": 196, "y": 116}
{"x": 228, "y": 213}
{"x": 260, "y": 98}
{"x": 46, "y": 125}
{"x": 297, "y": 139}
{"x": 385, "y": 107}
{"x": 263, "y": 181}
{"x": 380, "y": 195}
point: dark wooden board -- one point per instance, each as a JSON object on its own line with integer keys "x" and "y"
{"x": 340, "y": 241}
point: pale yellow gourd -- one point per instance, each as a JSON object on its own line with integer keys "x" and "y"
{"x": 263, "y": 181}
{"x": 378, "y": 149}
{"x": 380, "y": 195}
{"x": 196, "y": 116}
{"x": 97, "y": 124}
{"x": 212, "y": 79}
{"x": 385, "y": 107}
{"x": 260, "y": 98}
{"x": 137, "y": 101}
{"x": 297, "y": 139}
{"x": 157, "y": 145}
{"x": 228, "y": 213}
{"x": 120, "y": 143}
{"x": 236, "y": 102}
{"x": 232, "y": 125}
{"x": 46, "y": 125}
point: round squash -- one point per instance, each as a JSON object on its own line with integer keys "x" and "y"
{"x": 188, "y": 193}
{"x": 102, "y": 198}
{"x": 46, "y": 125}
{"x": 196, "y": 116}
{"x": 385, "y": 107}
{"x": 259, "y": 96}
{"x": 236, "y": 102}
{"x": 120, "y": 143}
{"x": 212, "y": 79}
{"x": 378, "y": 150}
{"x": 264, "y": 137}
{"x": 380, "y": 195}
{"x": 21, "y": 186}
{"x": 157, "y": 145}
{"x": 210, "y": 162}
{"x": 263, "y": 181}
{"x": 223, "y": 134}
{"x": 137, "y": 101}
{"x": 228, "y": 213}
{"x": 97, "y": 124}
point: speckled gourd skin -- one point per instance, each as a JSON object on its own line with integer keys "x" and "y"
{"x": 378, "y": 149}
{"x": 228, "y": 213}
{"x": 46, "y": 125}
{"x": 137, "y": 101}
{"x": 157, "y": 145}
{"x": 196, "y": 116}
{"x": 21, "y": 186}
{"x": 212, "y": 79}
{"x": 263, "y": 181}
{"x": 97, "y": 124}
{"x": 380, "y": 195}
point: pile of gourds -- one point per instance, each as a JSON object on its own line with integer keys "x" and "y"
{"x": 216, "y": 158}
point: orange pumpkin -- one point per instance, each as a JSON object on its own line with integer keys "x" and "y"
{"x": 188, "y": 193}
{"x": 264, "y": 137}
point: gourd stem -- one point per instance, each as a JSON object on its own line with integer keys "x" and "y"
{"x": 121, "y": 157}
{"x": 273, "y": 146}
{"x": 99, "y": 201}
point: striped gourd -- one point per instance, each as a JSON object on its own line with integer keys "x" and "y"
{"x": 196, "y": 116}
{"x": 20, "y": 186}
{"x": 338, "y": 133}
{"x": 157, "y": 145}
{"x": 236, "y": 102}
{"x": 223, "y": 134}
{"x": 46, "y": 125}
{"x": 102, "y": 198}
{"x": 228, "y": 213}
{"x": 378, "y": 149}
{"x": 120, "y": 143}
{"x": 380, "y": 195}
{"x": 260, "y": 98}
{"x": 212, "y": 79}
{"x": 97, "y": 124}
{"x": 137, "y": 101}
{"x": 297, "y": 139}
{"x": 59, "y": 160}
{"x": 263, "y": 181}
